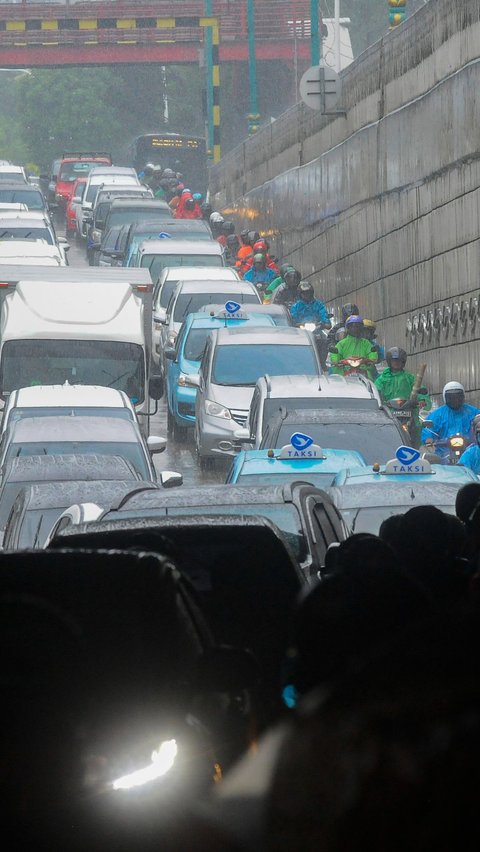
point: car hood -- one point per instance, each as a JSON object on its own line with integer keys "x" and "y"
{"x": 231, "y": 397}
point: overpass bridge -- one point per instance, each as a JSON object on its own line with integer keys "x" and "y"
{"x": 382, "y": 207}
{"x": 139, "y": 31}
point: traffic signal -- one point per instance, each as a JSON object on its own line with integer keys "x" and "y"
{"x": 396, "y": 12}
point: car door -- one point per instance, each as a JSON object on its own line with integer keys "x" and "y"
{"x": 202, "y": 375}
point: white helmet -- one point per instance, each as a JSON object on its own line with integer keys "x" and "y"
{"x": 216, "y": 218}
{"x": 452, "y": 387}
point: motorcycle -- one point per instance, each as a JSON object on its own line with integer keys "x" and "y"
{"x": 355, "y": 366}
{"x": 320, "y": 334}
{"x": 404, "y": 416}
{"x": 448, "y": 450}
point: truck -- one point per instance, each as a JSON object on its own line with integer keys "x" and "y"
{"x": 84, "y": 326}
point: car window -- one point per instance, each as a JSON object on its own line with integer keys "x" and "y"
{"x": 129, "y": 450}
{"x": 71, "y": 171}
{"x": 291, "y": 403}
{"x": 241, "y": 365}
{"x": 28, "y": 233}
{"x": 32, "y": 198}
{"x": 195, "y": 344}
{"x": 190, "y": 303}
{"x": 156, "y": 262}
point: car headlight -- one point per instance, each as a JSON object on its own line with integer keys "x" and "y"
{"x": 216, "y": 410}
{"x": 161, "y": 763}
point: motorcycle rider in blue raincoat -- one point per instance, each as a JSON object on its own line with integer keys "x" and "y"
{"x": 471, "y": 457}
{"x": 453, "y": 418}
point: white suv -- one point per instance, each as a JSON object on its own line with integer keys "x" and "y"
{"x": 300, "y": 392}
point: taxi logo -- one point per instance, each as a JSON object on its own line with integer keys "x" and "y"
{"x": 232, "y": 307}
{"x": 299, "y": 441}
{"x": 407, "y": 455}
{"x": 164, "y": 236}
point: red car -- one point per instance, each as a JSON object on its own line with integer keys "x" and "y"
{"x": 77, "y": 192}
{"x": 75, "y": 165}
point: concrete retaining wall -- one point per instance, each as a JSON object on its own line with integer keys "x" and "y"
{"x": 382, "y": 207}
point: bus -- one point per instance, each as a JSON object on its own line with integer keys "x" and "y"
{"x": 181, "y": 152}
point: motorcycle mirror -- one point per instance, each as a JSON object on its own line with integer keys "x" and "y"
{"x": 333, "y": 350}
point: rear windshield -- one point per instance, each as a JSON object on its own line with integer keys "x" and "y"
{"x": 129, "y": 450}
{"x": 31, "y": 197}
{"x": 291, "y": 403}
{"x": 129, "y": 216}
{"x": 71, "y": 171}
{"x": 156, "y": 262}
{"x": 12, "y": 177}
{"x": 373, "y": 441}
{"x": 58, "y": 410}
{"x": 26, "y": 234}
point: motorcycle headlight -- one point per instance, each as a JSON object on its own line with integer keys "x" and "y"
{"x": 456, "y": 442}
{"x": 161, "y": 762}
{"x": 216, "y": 410}
{"x": 308, "y": 326}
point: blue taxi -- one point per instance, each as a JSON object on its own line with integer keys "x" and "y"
{"x": 187, "y": 354}
{"x": 366, "y": 497}
{"x": 301, "y": 459}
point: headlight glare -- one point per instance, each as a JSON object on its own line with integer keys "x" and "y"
{"x": 162, "y": 762}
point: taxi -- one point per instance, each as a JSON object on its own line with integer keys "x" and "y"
{"x": 366, "y": 497}
{"x": 301, "y": 459}
{"x": 185, "y": 357}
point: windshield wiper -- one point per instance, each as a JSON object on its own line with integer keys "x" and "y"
{"x": 118, "y": 379}
{"x": 37, "y": 533}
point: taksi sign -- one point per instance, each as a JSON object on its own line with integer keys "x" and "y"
{"x": 407, "y": 461}
{"x": 301, "y": 447}
{"x": 232, "y": 308}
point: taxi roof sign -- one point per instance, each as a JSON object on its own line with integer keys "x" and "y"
{"x": 301, "y": 447}
{"x": 396, "y": 468}
{"x": 232, "y": 307}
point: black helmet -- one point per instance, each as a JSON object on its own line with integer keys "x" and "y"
{"x": 396, "y": 354}
{"x": 169, "y": 173}
{"x": 292, "y": 277}
{"x": 349, "y": 310}
{"x": 284, "y": 268}
{"x": 232, "y": 240}
{"x": 253, "y": 236}
{"x": 305, "y": 290}
{"x": 244, "y": 234}
{"x": 228, "y": 227}
{"x": 206, "y": 209}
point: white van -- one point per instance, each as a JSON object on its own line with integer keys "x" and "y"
{"x": 106, "y": 177}
{"x": 89, "y": 333}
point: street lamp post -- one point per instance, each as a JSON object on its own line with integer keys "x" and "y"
{"x": 314, "y": 37}
{"x": 253, "y": 116}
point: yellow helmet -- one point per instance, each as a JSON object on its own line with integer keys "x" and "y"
{"x": 369, "y": 324}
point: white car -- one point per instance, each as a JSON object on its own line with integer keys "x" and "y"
{"x": 32, "y": 225}
{"x": 107, "y": 177}
{"x": 50, "y": 400}
{"x": 12, "y": 206}
{"x": 30, "y": 253}
{"x": 12, "y": 174}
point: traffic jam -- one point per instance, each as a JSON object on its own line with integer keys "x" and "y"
{"x": 182, "y": 406}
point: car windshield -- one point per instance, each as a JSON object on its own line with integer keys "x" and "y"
{"x": 130, "y": 450}
{"x": 32, "y": 198}
{"x": 290, "y": 403}
{"x": 369, "y": 519}
{"x": 36, "y": 525}
{"x": 243, "y": 365}
{"x": 284, "y": 515}
{"x": 156, "y": 262}
{"x": 71, "y": 171}
{"x": 87, "y": 362}
{"x": 189, "y": 303}
{"x": 59, "y": 410}
{"x": 28, "y": 233}
{"x": 374, "y": 441}
{"x": 12, "y": 177}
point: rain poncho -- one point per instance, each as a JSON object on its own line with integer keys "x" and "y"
{"x": 446, "y": 422}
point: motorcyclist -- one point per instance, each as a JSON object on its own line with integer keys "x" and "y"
{"x": 233, "y": 244}
{"x": 259, "y": 274}
{"x": 308, "y": 308}
{"x": 206, "y": 209}
{"x": 226, "y": 229}
{"x": 244, "y": 253}
{"x": 216, "y": 222}
{"x": 453, "y": 418}
{"x": 287, "y": 292}
{"x": 338, "y": 330}
{"x": 353, "y": 345}
{"x": 147, "y": 177}
{"x": 395, "y": 383}
{"x": 370, "y": 333}
{"x": 471, "y": 456}
{"x": 261, "y": 247}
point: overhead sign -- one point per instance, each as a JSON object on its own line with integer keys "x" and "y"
{"x": 320, "y": 88}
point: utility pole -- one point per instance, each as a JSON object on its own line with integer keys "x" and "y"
{"x": 209, "y": 83}
{"x": 314, "y": 36}
{"x": 253, "y": 116}
{"x": 338, "y": 56}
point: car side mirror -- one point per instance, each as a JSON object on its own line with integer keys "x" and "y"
{"x": 170, "y": 479}
{"x": 160, "y": 315}
{"x": 170, "y": 353}
{"x": 155, "y": 387}
{"x": 156, "y": 444}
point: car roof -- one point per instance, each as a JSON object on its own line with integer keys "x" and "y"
{"x": 199, "y": 319}
{"x": 68, "y": 428}
{"x": 75, "y": 395}
{"x": 214, "y": 287}
{"x": 383, "y": 494}
{"x": 203, "y": 496}
{"x": 37, "y": 248}
{"x": 273, "y": 310}
{"x": 198, "y": 273}
{"x": 25, "y": 219}
{"x": 20, "y": 187}
{"x": 185, "y": 247}
{"x": 61, "y": 495}
{"x": 66, "y": 466}
{"x": 446, "y": 474}
{"x": 173, "y": 225}
{"x": 147, "y": 204}
{"x": 277, "y": 335}
{"x": 355, "y": 387}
